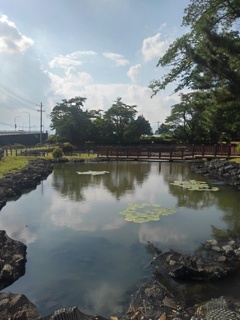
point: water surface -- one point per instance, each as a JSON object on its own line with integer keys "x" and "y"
{"x": 81, "y": 252}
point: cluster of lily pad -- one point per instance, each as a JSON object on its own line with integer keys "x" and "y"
{"x": 194, "y": 185}
{"x": 140, "y": 213}
{"x": 93, "y": 173}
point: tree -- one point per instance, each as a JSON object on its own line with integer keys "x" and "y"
{"x": 191, "y": 120}
{"x": 208, "y": 55}
{"x": 119, "y": 117}
{"x": 206, "y": 59}
{"x": 70, "y": 122}
{"x": 102, "y": 131}
{"x": 137, "y": 128}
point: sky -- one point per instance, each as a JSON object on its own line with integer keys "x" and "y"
{"x": 97, "y": 49}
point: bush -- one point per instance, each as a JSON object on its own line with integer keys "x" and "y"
{"x": 238, "y": 148}
{"x": 67, "y": 147}
{"x": 57, "y": 153}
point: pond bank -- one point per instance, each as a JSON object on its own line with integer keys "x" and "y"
{"x": 13, "y": 185}
{"x": 223, "y": 170}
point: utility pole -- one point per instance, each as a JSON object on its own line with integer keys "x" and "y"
{"x": 15, "y": 122}
{"x": 41, "y": 126}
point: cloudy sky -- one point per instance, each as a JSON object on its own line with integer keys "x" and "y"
{"x": 97, "y": 49}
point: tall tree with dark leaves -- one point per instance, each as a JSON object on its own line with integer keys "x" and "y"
{"x": 207, "y": 59}
{"x": 71, "y": 122}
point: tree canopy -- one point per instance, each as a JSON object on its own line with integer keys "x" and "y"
{"x": 70, "y": 121}
{"x": 118, "y": 125}
{"x": 206, "y": 60}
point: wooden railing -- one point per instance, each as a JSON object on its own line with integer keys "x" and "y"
{"x": 168, "y": 153}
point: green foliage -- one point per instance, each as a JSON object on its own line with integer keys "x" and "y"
{"x": 140, "y": 213}
{"x": 194, "y": 185}
{"x": 116, "y": 126}
{"x": 67, "y": 147}
{"x": 206, "y": 60}
{"x": 238, "y": 148}
{"x": 119, "y": 117}
{"x": 57, "y": 153}
{"x": 70, "y": 122}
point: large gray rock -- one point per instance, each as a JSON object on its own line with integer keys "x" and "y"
{"x": 17, "y": 307}
{"x": 12, "y": 260}
{"x": 223, "y": 170}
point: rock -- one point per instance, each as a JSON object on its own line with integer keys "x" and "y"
{"x": 222, "y": 170}
{"x": 12, "y": 185}
{"x": 185, "y": 267}
{"x": 72, "y": 313}
{"x": 17, "y": 306}
{"x": 12, "y": 260}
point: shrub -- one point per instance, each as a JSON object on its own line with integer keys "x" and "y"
{"x": 238, "y": 148}
{"x": 67, "y": 147}
{"x": 57, "y": 153}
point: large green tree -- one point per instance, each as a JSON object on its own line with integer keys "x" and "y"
{"x": 207, "y": 59}
{"x": 119, "y": 117}
{"x": 70, "y": 122}
{"x": 122, "y": 125}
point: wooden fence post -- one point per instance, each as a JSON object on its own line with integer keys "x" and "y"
{"x": 193, "y": 151}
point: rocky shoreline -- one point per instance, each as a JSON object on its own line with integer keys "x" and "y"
{"x": 223, "y": 170}
{"x": 13, "y": 185}
{"x": 160, "y": 297}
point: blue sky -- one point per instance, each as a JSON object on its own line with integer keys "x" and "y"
{"x": 97, "y": 49}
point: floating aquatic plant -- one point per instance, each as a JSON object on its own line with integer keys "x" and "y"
{"x": 93, "y": 173}
{"x": 140, "y": 213}
{"x": 194, "y": 185}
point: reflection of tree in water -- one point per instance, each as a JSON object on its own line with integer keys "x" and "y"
{"x": 68, "y": 183}
{"x": 122, "y": 177}
{"x": 226, "y": 199}
{"x": 228, "y": 202}
{"x": 193, "y": 199}
{"x": 186, "y": 198}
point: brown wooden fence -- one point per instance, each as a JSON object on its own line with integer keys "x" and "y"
{"x": 168, "y": 153}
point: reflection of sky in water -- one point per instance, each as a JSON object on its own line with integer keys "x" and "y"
{"x": 83, "y": 252}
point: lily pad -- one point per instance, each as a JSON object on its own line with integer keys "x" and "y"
{"x": 194, "y": 185}
{"x": 93, "y": 173}
{"x": 142, "y": 212}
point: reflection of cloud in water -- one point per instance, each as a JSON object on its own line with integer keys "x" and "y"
{"x": 82, "y": 216}
{"x": 71, "y": 217}
{"x": 115, "y": 224}
{"x": 104, "y": 299}
{"x": 163, "y": 235}
{"x": 17, "y": 232}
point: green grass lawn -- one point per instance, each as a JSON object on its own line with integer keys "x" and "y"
{"x": 12, "y": 163}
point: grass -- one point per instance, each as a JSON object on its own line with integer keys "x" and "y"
{"x": 237, "y": 160}
{"x": 12, "y": 163}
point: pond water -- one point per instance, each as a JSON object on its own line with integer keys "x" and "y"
{"x": 81, "y": 251}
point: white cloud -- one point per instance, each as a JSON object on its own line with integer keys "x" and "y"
{"x": 11, "y": 39}
{"x": 71, "y": 59}
{"x": 63, "y": 62}
{"x": 133, "y": 72}
{"x": 117, "y": 58}
{"x": 70, "y": 84}
{"x": 153, "y": 47}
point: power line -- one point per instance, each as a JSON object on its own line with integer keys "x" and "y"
{"x": 14, "y": 98}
